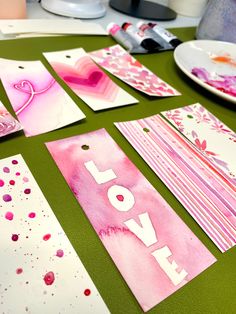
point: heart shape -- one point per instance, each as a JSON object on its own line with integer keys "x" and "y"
{"x": 86, "y": 78}
{"x": 24, "y": 86}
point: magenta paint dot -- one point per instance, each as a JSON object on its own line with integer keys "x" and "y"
{"x": 17, "y": 173}
{"x": 12, "y": 182}
{"x": 15, "y": 237}
{"x": 9, "y": 215}
{"x": 19, "y": 271}
{"x": 7, "y": 198}
{"x": 49, "y": 278}
{"x": 27, "y": 191}
{"x": 6, "y": 170}
{"x": 14, "y": 162}
{"x": 120, "y": 197}
{"x": 87, "y": 292}
{"x": 32, "y": 215}
{"x": 60, "y": 253}
{"x": 1, "y": 182}
{"x": 25, "y": 179}
{"x": 47, "y": 236}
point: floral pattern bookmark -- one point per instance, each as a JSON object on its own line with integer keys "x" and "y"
{"x": 153, "y": 249}
{"x": 208, "y": 134}
{"x": 39, "y": 102}
{"x": 8, "y": 124}
{"x": 120, "y": 63}
{"x": 190, "y": 176}
{"x": 87, "y": 80}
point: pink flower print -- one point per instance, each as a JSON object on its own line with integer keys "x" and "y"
{"x": 202, "y": 146}
{"x": 219, "y": 127}
{"x": 201, "y": 117}
{"x": 176, "y": 118}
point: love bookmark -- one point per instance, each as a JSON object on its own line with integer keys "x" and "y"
{"x": 39, "y": 102}
{"x": 153, "y": 249}
{"x": 87, "y": 80}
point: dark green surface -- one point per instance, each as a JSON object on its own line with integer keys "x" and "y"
{"x": 214, "y": 290}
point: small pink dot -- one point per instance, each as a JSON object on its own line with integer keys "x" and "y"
{"x": 87, "y": 292}
{"x": 19, "y": 271}
{"x": 12, "y": 182}
{"x": 9, "y": 215}
{"x": 15, "y": 237}
{"x": 6, "y": 170}
{"x": 120, "y": 197}
{"x": 17, "y": 173}
{"x": 1, "y": 183}
{"x": 7, "y": 198}
{"x": 60, "y": 253}
{"x": 46, "y": 237}
{"x": 27, "y": 191}
{"x": 25, "y": 179}
{"x": 14, "y": 162}
{"x": 31, "y": 215}
{"x": 49, "y": 278}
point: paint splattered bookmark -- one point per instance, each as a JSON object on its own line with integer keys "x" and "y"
{"x": 208, "y": 134}
{"x": 120, "y": 63}
{"x": 87, "y": 80}
{"x": 39, "y": 102}
{"x": 149, "y": 243}
{"x": 202, "y": 190}
{"x": 8, "y": 124}
{"x": 40, "y": 271}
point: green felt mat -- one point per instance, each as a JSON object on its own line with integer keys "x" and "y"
{"x": 214, "y": 290}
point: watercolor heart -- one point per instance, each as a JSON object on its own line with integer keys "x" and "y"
{"x": 86, "y": 78}
{"x": 24, "y": 86}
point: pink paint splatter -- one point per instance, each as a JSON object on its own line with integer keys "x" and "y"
{"x": 14, "y": 162}
{"x": 6, "y": 169}
{"x": 1, "y": 183}
{"x": 32, "y": 215}
{"x": 7, "y": 198}
{"x": 17, "y": 173}
{"x": 87, "y": 292}
{"x": 25, "y": 179}
{"x": 9, "y": 215}
{"x": 12, "y": 182}
{"x": 15, "y": 237}
{"x": 120, "y": 197}
{"x": 49, "y": 278}
{"x": 19, "y": 271}
{"x": 60, "y": 253}
{"x": 27, "y": 191}
{"x": 47, "y": 236}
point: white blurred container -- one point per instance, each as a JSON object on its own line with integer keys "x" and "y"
{"x": 193, "y": 8}
{"x": 12, "y": 9}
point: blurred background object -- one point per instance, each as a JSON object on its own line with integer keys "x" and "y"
{"x": 88, "y": 9}
{"x": 144, "y": 9}
{"x": 12, "y": 9}
{"x": 192, "y": 8}
{"x": 218, "y": 21}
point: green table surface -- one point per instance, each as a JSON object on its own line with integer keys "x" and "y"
{"x": 214, "y": 290}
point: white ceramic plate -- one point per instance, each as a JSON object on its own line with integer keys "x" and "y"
{"x": 200, "y": 54}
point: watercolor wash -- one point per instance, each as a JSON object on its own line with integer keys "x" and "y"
{"x": 153, "y": 249}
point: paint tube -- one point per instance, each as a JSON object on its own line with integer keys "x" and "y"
{"x": 124, "y": 39}
{"x": 147, "y": 29}
{"x": 165, "y": 34}
{"x": 143, "y": 40}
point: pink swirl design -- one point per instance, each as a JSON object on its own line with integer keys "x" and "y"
{"x": 27, "y": 87}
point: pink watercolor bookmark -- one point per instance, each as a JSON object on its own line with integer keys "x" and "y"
{"x": 87, "y": 80}
{"x": 40, "y": 271}
{"x": 153, "y": 249}
{"x": 120, "y": 63}
{"x": 39, "y": 102}
{"x": 208, "y": 134}
{"x": 8, "y": 124}
{"x": 203, "y": 191}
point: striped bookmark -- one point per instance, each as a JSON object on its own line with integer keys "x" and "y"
{"x": 203, "y": 190}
